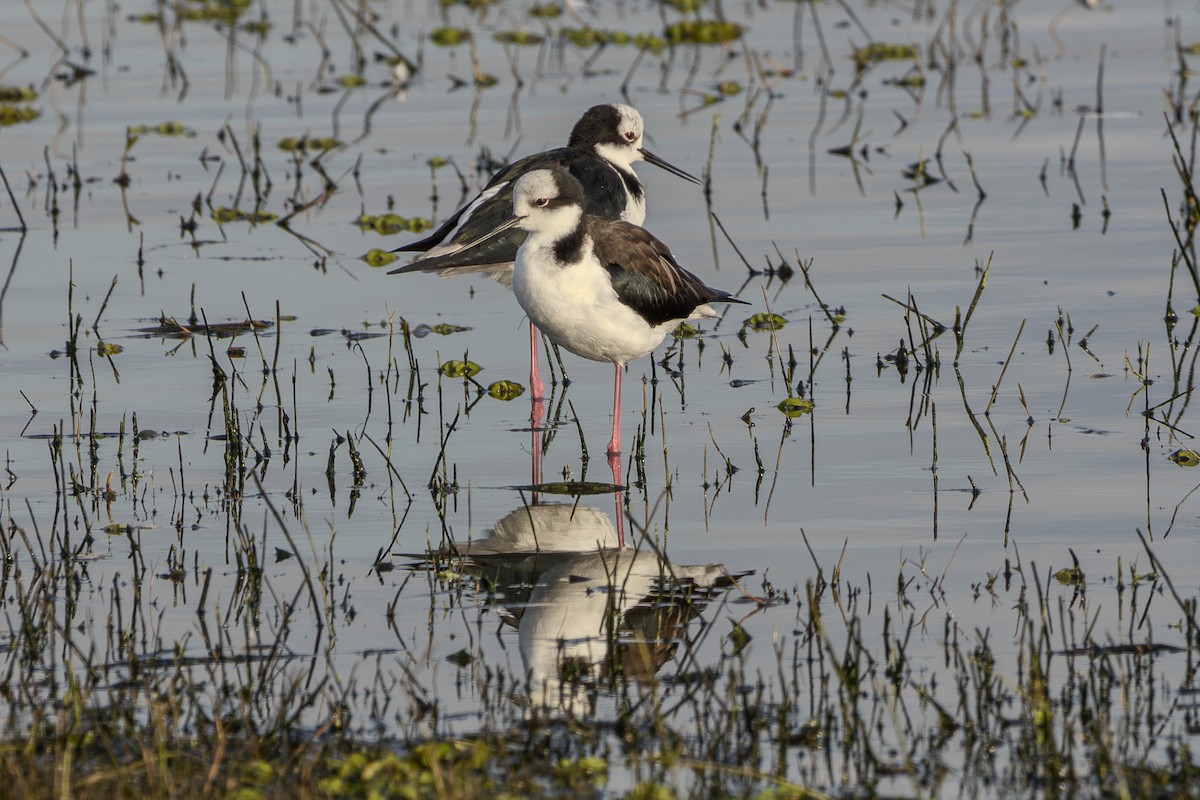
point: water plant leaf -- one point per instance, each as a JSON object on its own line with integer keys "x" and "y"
{"x": 352, "y": 81}
{"x": 460, "y": 369}
{"x": 17, "y": 94}
{"x": 650, "y": 41}
{"x": 574, "y": 488}
{"x": 441, "y": 329}
{"x": 796, "y": 407}
{"x": 702, "y": 32}
{"x": 593, "y": 37}
{"x": 506, "y": 390}
{"x": 546, "y": 10}
{"x": 1069, "y": 576}
{"x": 520, "y": 38}
{"x": 685, "y": 6}
{"x": 586, "y": 770}
{"x": 379, "y": 258}
{"x": 223, "y": 214}
{"x": 686, "y": 331}
{"x": 764, "y": 322}
{"x": 107, "y": 349}
{"x": 1185, "y": 457}
{"x": 14, "y": 115}
{"x": 461, "y": 659}
{"x": 449, "y": 36}
{"x": 445, "y": 328}
{"x": 882, "y": 51}
{"x": 389, "y": 224}
{"x": 227, "y": 11}
{"x": 172, "y": 128}
{"x": 739, "y": 638}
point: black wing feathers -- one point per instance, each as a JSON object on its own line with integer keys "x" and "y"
{"x": 645, "y": 276}
{"x": 604, "y": 197}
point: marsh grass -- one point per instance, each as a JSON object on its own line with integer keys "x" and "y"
{"x": 209, "y": 648}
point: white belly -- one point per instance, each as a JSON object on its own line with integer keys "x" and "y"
{"x": 577, "y": 308}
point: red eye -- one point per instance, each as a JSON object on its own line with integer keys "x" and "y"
{"x": 630, "y": 136}
{"x": 542, "y": 202}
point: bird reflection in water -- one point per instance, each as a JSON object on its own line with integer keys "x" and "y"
{"x": 587, "y": 612}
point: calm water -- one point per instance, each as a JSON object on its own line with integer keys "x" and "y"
{"x": 1088, "y": 469}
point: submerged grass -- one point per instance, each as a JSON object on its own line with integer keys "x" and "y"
{"x": 214, "y": 668}
{"x": 103, "y": 707}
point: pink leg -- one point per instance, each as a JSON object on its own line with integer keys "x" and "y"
{"x": 614, "y": 463}
{"x": 537, "y": 453}
{"x": 614, "y": 444}
{"x": 536, "y": 388}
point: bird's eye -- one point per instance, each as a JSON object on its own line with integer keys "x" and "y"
{"x": 630, "y": 136}
{"x": 542, "y": 202}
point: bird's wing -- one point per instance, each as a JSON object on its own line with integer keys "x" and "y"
{"x": 645, "y": 276}
{"x": 486, "y": 210}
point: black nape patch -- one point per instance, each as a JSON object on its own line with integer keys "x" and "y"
{"x": 569, "y": 248}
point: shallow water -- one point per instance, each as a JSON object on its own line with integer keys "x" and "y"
{"x": 856, "y": 476}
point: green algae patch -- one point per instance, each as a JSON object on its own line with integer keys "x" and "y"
{"x": 506, "y": 390}
{"x": 796, "y": 407}
{"x": 700, "y": 32}
{"x": 388, "y": 224}
{"x": 379, "y": 258}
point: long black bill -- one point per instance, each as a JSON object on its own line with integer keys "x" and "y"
{"x": 668, "y": 166}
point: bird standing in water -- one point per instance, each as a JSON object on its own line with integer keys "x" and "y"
{"x": 603, "y": 147}
{"x": 603, "y": 289}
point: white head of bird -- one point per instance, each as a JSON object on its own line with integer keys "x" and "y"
{"x": 548, "y": 204}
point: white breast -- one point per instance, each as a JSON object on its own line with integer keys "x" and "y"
{"x": 576, "y": 306}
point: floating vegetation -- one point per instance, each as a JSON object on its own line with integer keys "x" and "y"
{"x": 379, "y": 258}
{"x": 291, "y": 144}
{"x": 764, "y": 321}
{"x": 351, "y": 81}
{"x": 1070, "y": 576}
{"x": 223, "y": 214}
{"x": 795, "y": 407}
{"x": 171, "y": 328}
{"x": 685, "y": 330}
{"x": 14, "y": 115}
{"x": 442, "y": 329}
{"x": 106, "y": 349}
{"x": 881, "y": 51}
{"x": 227, "y": 11}
{"x": 685, "y": 6}
{"x": 1185, "y": 457}
{"x": 521, "y": 38}
{"x": 388, "y": 224}
{"x": 460, "y": 369}
{"x": 450, "y": 37}
{"x": 172, "y": 129}
{"x": 699, "y": 32}
{"x": 258, "y": 27}
{"x": 17, "y": 94}
{"x": 592, "y": 37}
{"x": 506, "y": 390}
{"x": 575, "y": 488}
{"x": 546, "y": 11}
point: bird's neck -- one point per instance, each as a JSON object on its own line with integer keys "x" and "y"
{"x": 561, "y": 230}
{"x": 621, "y": 158}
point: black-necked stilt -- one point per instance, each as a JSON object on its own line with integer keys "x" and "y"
{"x": 604, "y": 145}
{"x": 605, "y": 290}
